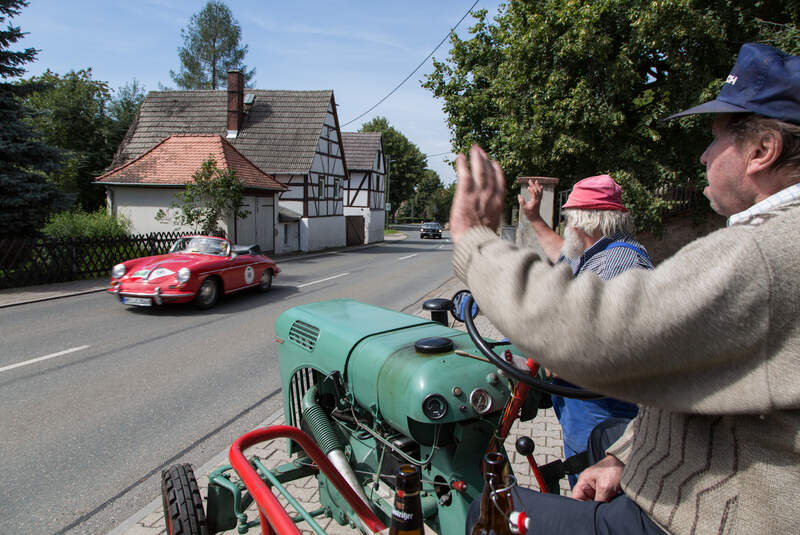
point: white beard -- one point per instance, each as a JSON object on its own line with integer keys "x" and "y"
{"x": 573, "y": 246}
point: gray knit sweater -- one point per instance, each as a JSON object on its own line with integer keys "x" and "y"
{"x": 708, "y": 343}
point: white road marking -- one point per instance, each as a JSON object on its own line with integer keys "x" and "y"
{"x": 322, "y": 280}
{"x": 39, "y": 359}
{"x": 409, "y": 256}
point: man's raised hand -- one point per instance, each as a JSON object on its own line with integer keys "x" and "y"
{"x": 480, "y": 193}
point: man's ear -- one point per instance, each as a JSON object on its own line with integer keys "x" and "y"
{"x": 764, "y": 151}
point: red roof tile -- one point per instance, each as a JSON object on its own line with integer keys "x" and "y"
{"x": 174, "y": 160}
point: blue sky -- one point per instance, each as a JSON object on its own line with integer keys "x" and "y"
{"x": 360, "y": 49}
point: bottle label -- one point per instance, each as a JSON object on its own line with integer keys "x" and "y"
{"x": 404, "y": 515}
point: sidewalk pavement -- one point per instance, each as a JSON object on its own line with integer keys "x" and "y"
{"x": 46, "y": 292}
{"x": 544, "y": 429}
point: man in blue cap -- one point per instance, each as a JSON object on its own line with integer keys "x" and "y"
{"x": 708, "y": 343}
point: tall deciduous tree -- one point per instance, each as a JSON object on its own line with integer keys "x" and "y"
{"x": 571, "y": 89}
{"x": 210, "y": 49}
{"x": 426, "y": 195}
{"x": 407, "y": 163}
{"x": 73, "y": 116}
{"x": 122, "y": 110}
{"x": 26, "y": 198}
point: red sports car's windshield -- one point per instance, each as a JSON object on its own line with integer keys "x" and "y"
{"x": 201, "y": 245}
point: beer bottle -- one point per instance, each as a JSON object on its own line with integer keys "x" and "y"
{"x": 495, "y": 512}
{"x": 407, "y": 510}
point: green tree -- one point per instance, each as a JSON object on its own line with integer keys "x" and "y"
{"x": 571, "y": 89}
{"x": 210, "y": 49}
{"x": 214, "y": 194}
{"x": 425, "y": 197}
{"x": 72, "y": 115}
{"x": 407, "y": 165}
{"x": 122, "y": 110}
{"x": 26, "y": 197}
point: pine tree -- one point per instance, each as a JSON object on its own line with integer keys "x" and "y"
{"x": 26, "y": 198}
{"x": 210, "y": 49}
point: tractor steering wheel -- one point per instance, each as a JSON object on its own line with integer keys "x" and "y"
{"x": 486, "y": 348}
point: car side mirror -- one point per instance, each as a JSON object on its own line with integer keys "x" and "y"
{"x": 234, "y": 255}
{"x": 460, "y": 303}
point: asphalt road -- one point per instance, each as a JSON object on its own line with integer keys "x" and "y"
{"x": 125, "y": 392}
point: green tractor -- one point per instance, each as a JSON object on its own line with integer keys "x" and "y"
{"x": 366, "y": 389}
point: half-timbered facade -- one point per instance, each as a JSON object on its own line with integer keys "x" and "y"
{"x": 293, "y": 136}
{"x": 364, "y": 192}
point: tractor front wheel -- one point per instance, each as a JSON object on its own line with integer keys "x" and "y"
{"x": 183, "y": 505}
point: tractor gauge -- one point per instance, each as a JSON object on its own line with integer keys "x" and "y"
{"x": 434, "y": 407}
{"x": 480, "y": 400}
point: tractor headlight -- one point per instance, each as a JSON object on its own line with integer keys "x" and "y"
{"x": 183, "y": 275}
{"x": 118, "y": 271}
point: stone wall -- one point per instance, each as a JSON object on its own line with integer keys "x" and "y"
{"x": 678, "y": 231}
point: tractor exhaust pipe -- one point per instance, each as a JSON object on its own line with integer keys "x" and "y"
{"x": 328, "y": 442}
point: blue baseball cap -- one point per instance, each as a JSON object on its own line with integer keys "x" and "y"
{"x": 764, "y": 81}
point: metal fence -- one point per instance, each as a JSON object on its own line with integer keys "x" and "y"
{"x": 30, "y": 261}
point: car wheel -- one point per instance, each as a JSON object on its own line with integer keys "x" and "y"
{"x": 266, "y": 281}
{"x": 183, "y": 505}
{"x": 208, "y": 294}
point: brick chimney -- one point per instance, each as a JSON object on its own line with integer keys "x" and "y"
{"x": 235, "y": 102}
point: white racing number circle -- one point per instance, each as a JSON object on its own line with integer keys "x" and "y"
{"x": 249, "y": 275}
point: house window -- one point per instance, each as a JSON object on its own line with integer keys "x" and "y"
{"x": 285, "y": 234}
{"x": 337, "y": 186}
{"x": 321, "y": 187}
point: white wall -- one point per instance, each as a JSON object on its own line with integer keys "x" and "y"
{"x": 140, "y": 205}
{"x": 288, "y": 237}
{"x": 322, "y": 232}
{"x": 375, "y": 226}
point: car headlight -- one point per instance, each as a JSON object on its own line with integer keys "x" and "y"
{"x": 118, "y": 271}
{"x": 160, "y": 272}
{"x": 183, "y": 275}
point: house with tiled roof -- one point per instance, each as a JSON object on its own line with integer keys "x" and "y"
{"x": 292, "y": 136}
{"x": 364, "y": 201}
{"x": 149, "y": 183}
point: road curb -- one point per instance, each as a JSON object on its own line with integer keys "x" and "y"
{"x": 60, "y": 294}
{"x": 26, "y": 301}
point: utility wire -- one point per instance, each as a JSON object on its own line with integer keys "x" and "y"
{"x": 418, "y": 66}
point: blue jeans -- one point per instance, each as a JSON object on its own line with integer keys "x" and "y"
{"x": 578, "y": 418}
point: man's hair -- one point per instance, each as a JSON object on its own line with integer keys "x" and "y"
{"x": 750, "y": 125}
{"x": 609, "y": 222}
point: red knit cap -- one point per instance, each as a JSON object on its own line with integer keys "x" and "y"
{"x": 596, "y": 193}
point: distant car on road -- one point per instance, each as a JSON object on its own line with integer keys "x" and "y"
{"x": 430, "y": 230}
{"x": 197, "y": 269}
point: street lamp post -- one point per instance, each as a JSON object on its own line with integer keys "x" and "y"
{"x": 386, "y": 200}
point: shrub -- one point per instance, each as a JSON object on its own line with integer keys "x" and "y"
{"x": 81, "y": 224}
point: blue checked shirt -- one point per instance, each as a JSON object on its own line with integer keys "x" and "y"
{"x": 753, "y": 214}
{"x": 608, "y": 263}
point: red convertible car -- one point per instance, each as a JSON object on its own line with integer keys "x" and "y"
{"x": 197, "y": 268}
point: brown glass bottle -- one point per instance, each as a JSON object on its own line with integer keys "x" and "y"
{"x": 407, "y": 510}
{"x": 493, "y": 519}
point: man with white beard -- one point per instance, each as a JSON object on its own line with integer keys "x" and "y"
{"x": 598, "y": 238}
